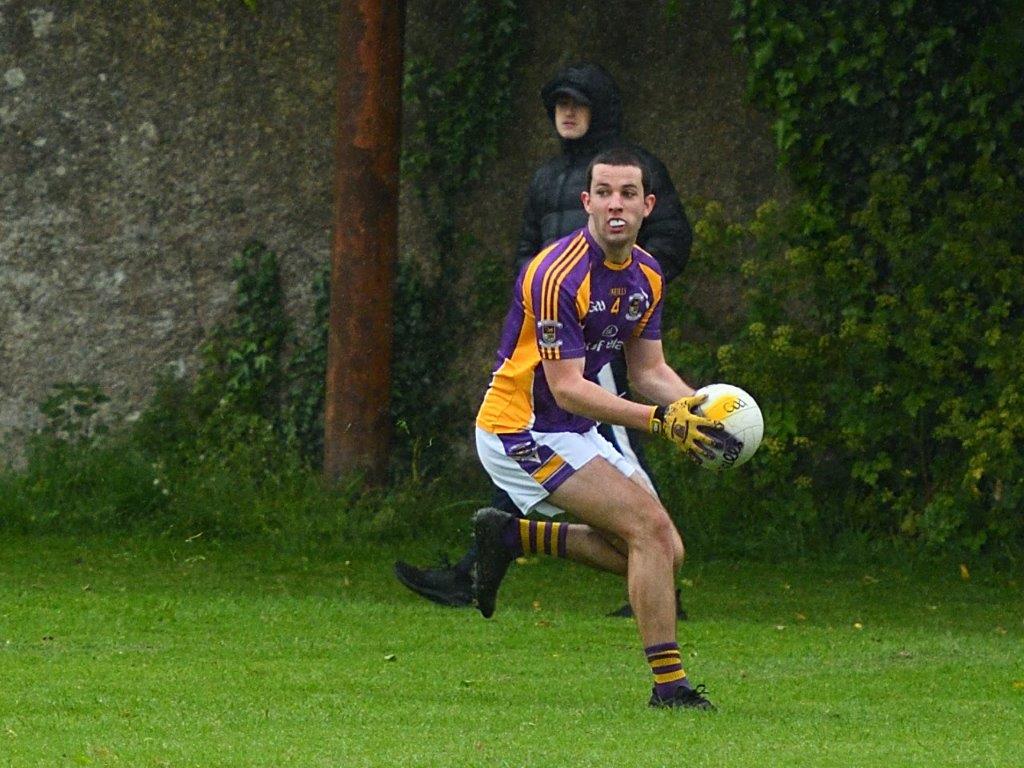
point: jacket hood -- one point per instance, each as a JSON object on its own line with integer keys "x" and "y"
{"x": 590, "y": 84}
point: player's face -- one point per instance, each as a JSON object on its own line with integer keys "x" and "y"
{"x": 617, "y": 204}
{"x": 572, "y": 119}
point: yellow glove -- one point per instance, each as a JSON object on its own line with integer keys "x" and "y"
{"x": 688, "y": 430}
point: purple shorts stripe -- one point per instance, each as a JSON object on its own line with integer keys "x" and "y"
{"x": 533, "y": 536}
{"x": 547, "y": 538}
{"x": 557, "y": 478}
{"x": 563, "y": 535}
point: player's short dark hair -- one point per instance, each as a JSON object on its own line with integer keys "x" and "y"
{"x": 621, "y": 156}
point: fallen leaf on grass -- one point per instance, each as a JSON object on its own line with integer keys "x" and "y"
{"x": 858, "y": 625}
{"x": 964, "y": 573}
{"x": 391, "y": 657}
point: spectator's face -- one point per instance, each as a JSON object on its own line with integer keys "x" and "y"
{"x": 572, "y": 119}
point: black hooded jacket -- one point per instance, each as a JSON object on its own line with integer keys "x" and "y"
{"x": 553, "y": 207}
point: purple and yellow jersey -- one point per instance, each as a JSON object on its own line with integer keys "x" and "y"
{"x": 569, "y": 302}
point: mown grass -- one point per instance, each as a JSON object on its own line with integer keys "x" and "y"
{"x": 189, "y": 653}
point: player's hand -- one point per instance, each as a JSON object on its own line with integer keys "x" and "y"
{"x": 694, "y": 434}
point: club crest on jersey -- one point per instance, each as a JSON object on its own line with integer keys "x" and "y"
{"x": 548, "y": 337}
{"x": 635, "y": 306}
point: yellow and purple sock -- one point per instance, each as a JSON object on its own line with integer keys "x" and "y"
{"x": 536, "y": 537}
{"x": 667, "y": 666}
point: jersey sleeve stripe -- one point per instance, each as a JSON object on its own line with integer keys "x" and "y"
{"x": 583, "y": 298}
{"x": 656, "y": 283}
{"x": 531, "y": 271}
{"x": 554, "y": 276}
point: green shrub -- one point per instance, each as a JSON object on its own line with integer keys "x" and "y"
{"x": 70, "y": 486}
{"x": 882, "y": 332}
{"x": 230, "y": 455}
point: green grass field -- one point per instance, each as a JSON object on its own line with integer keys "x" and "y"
{"x": 194, "y": 654}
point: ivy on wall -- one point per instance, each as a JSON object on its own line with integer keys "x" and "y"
{"x": 884, "y": 333}
{"x": 460, "y": 111}
{"x": 920, "y": 88}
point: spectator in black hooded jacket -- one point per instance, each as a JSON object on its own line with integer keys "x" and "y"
{"x": 553, "y": 208}
{"x": 585, "y": 107}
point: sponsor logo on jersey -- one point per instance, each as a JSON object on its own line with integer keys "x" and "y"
{"x": 610, "y": 332}
{"x": 597, "y": 346}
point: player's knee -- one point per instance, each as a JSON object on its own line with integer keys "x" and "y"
{"x": 655, "y": 527}
{"x": 678, "y": 550}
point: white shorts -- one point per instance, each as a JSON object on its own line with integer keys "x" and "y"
{"x": 529, "y": 465}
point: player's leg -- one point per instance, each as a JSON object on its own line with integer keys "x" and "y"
{"x": 449, "y": 584}
{"x": 529, "y": 466}
{"x": 574, "y": 541}
{"x": 614, "y": 378}
{"x": 600, "y": 495}
{"x": 583, "y": 474}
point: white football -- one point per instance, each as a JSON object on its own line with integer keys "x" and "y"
{"x": 740, "y": 417}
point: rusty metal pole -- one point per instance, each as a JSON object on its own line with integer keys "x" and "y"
{"x": 357, "y": 428}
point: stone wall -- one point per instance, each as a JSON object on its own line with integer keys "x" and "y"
{"x": 142, "y": 143}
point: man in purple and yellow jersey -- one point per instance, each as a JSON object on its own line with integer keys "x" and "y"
{"x": 577, "y": 304}
{"x": 584, "y": 106}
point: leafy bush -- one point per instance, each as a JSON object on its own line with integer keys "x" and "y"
{"x": 73, "y": 486}
{"x": 883, "y": 330}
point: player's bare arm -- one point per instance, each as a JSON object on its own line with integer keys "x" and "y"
{"x": 650, "y": 375}
{"x": 578, "y": 395}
